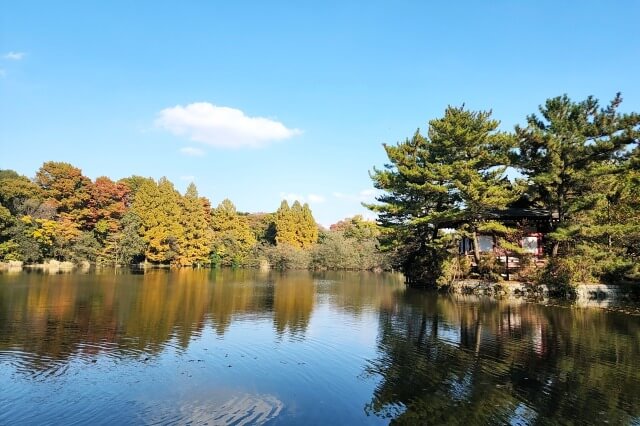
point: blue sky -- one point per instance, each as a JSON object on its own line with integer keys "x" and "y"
{"x": 256, "y": 101}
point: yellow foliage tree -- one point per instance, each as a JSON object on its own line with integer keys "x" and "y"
{"x": 295, "y": 226}
{"x": 157, "y": 206}
{"x": 197, "y": 236}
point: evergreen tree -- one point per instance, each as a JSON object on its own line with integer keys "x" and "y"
{"x": 474, "y": 157}
{"x": 457, "y": 173}
{"x": 133, "y": 184}
{"x": 415, "y": 200}
{"x": 295, "y": 226}
{"x": 157, "y": 206}
{"x": 307, "y": 231}
{"x": 197, "y": 236}
{"x": 285, "y": 225}
{"x": 232, "y": 237}
{"x": 569, "y": 149}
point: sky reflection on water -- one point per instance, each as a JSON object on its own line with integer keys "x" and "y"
{"x": 244, "y": 347}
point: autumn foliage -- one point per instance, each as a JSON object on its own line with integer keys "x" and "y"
{"x": 63, "y": 214}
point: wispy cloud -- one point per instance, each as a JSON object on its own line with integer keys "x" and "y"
{"x": 222, "y": 126}
{"x": 310, "y": 198}
{"x": 192, "y": 152}
{"x": 291, "y": 197}
{"x": 189, "y": 178}
{"x": 3, "y": 73}
{"x": 366, "y": 195}
{"x": 14, "y": 56}
{"x": 366, "y": 214}
{"x": 315, "y": 198}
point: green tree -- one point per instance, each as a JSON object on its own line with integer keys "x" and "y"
{"x": 125, "y": 246}
{"x": 335, "y": 251}
{"x": 85, "y": 248}
{"x": 563, "y": 152}
{"x": 16, "y": 190}
{"x": 17, "y": 242}
{"x": 8, "y": 247}
{"x": 263, "y": 227}
{"x": 357, "y": 227}
{"x": 351, "y": 244}
{"x": 414, "y": 202}
{"x": 473, "y": 156}
{"x": 286, "y": 256}
{"x": 19, "y": 196}
{"x": 456, "y": 174}
{"x": 233, "y": 239}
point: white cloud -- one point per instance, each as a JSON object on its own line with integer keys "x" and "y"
{"x": 366, "y": 215}
{"x": 189, "y": 178}
{"x": 222, "y": 126}
{"x": 14, "y": 56}
{"x": 315, "y": 198}
{"x": 291, "y": 197}
{"x": 192, "y": 152}
{"x": 311, "y": 198}
{"x": 366, "y": 195}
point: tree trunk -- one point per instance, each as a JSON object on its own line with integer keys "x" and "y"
{"x": 478, "y": 335}
{"x": 476, "y": 247}
{"x": 554, "y": 249}
{"x": 609, "y": 239}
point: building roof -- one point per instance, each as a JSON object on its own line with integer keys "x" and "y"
{"x": 519, "y": 213}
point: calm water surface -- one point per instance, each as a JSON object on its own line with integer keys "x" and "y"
{"x": 244, "y": 347}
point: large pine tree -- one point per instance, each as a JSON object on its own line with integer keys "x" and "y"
{"x": 473, "y": 156}
{"x": 456, "y": 173}
{"x": 568, "y": 151}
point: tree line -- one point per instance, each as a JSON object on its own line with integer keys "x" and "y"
{"x": 577, "y": 160}
{"x": 62, "y": 214}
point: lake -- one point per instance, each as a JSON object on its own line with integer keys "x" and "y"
{"x": 250, "y": 347}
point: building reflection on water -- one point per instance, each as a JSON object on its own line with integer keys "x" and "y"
{"x": 464, "y": 360}
{"x": 437, "y": 359}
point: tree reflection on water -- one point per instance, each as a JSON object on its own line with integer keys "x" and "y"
{"x": 446, "y": 360}
{"x": 437, "y": 359}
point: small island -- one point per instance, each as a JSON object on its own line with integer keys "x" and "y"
{"x": 319, "y": 213}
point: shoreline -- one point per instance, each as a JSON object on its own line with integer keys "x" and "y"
{"x": 583, "y": 294}
{"x": 598, "y": 295}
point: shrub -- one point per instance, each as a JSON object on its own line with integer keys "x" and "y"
{"x": 490, "y": 267}
{"x": 453, "y": 268}
{"x": 284, "y": 256}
